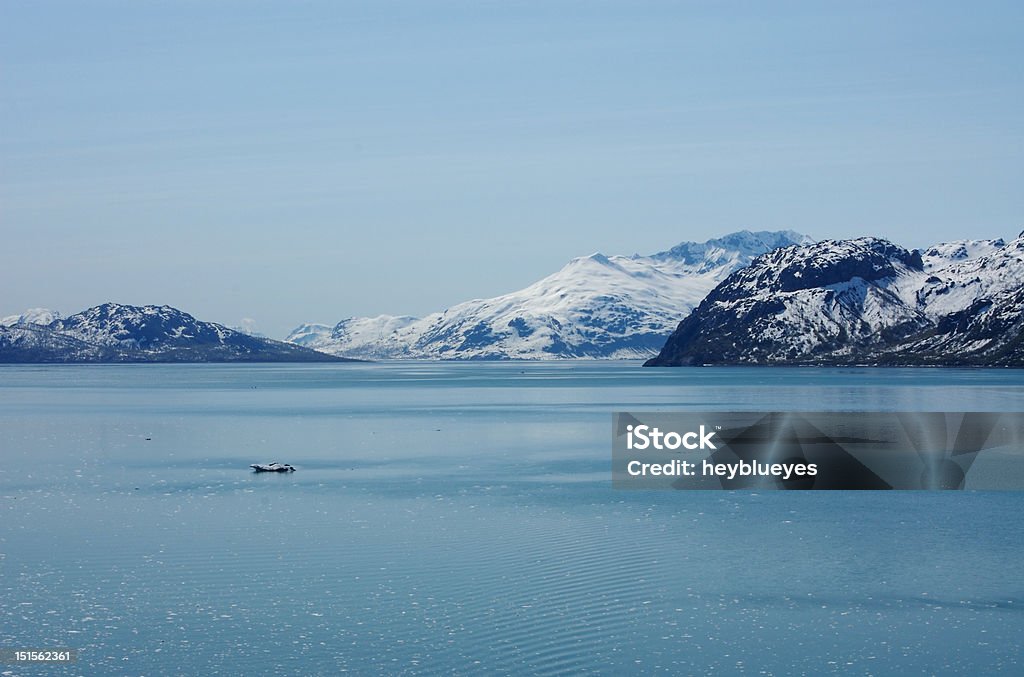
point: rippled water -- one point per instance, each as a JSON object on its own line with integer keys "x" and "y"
{"x": 458, "y": 518}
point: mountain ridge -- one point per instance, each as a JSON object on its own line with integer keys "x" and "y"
{"x": 596, "y": 306}
{"x": 862, "y": 301}
{"x": 112, "y": 332}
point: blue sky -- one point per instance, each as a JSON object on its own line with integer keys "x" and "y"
{"x": 308, "y": 161}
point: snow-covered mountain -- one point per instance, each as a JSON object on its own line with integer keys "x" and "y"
{"x": 862, "y": 301}
{"x": 119, "y": 333}
{"x": 248, "y": 326}
{"x": 30, "y": 342}
{"x": 42, "y": 316}
{"x": 596, "y": 306}
{"x": 942, "y": 255}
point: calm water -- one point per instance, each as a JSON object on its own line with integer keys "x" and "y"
{"x": 458, "y": 518}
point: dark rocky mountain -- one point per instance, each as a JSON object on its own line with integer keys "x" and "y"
{"x": 120, "y": 333}
{"x": 863, "y": 301}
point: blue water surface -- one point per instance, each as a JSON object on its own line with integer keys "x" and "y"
{"x": 458, "y": 518}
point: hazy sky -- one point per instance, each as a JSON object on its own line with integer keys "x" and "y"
{"x": 308, "y": 161}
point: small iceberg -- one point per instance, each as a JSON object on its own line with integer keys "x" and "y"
{"x": 273, "y": 466}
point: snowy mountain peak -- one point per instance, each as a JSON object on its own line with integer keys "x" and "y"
{"x": 595, "y": 306}
{"x": 830, "y": 262}
{"x": 956, "y": 286}
{"x": 959, "y": 250}
{"x": 596, "y": 259}
{"x": 42, "y": 316}
{"x": 139, "y": 326}
{"x": 744, "y": 243}
{"x": 308, "y": 333}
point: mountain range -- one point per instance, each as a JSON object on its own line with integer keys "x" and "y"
{"x": 762, "y": 298}
{"x": 120, "y": 333}
{"x": 862, "y": 301}
{"x": 596, "y": 306}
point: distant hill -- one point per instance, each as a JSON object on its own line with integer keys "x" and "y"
{"x": 120, "y": 333}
